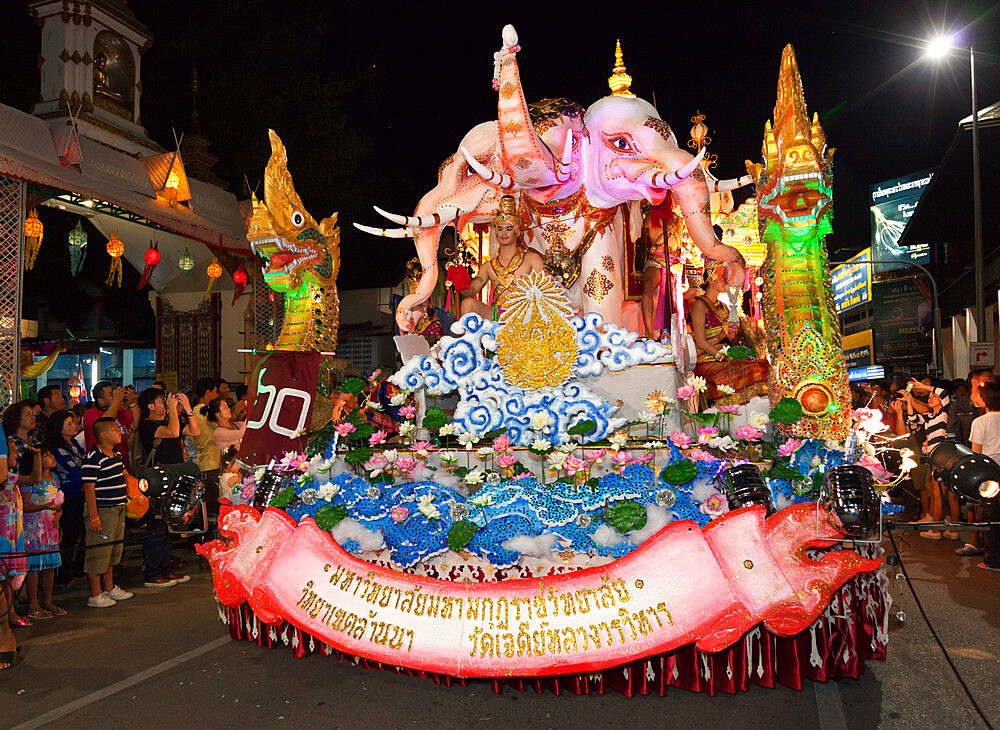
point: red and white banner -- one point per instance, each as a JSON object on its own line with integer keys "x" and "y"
{"x": 684, "y": 585}
{"x": 281, "y": 394}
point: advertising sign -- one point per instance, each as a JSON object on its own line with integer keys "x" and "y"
{"x": 892, "y": 204}
{"x": 852, "y": 284}
{"x": 857, "y": 349}
{"x": 901, "y": 321}
{"x": 869, "y": 372}
{"x": 281, "y": 401}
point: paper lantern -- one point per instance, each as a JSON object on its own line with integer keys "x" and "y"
{"x": 214, "y": 272}
{"x": 186, "y": 262}
{"x": 77, "y": 247}
{"x": 75, "y": 389}
{"x": 240, "y": 279}
{"x": 33, "y": 234}
{"x": 115, "y": 250}
{"x": 152, "y": 259}
{"x": 32, "y": 225}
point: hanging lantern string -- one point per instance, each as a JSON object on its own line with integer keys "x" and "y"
{"x": 115, "y": 249}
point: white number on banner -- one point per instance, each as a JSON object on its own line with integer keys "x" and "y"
{"x": 275, "y": 400}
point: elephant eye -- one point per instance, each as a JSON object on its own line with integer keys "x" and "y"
{"x": 620, "y": 143}
{"x": 298, "y": 219}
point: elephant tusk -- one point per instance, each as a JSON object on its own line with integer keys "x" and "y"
{"x": 418, "y": 221}
{"x": 566, "y": 161}
{"x": 500, "y": 180}
{"x": 669, "y": 179}
{"x": 385, "y": 232}
{"x": 722, "y": 186}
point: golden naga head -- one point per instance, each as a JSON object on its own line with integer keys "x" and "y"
{"x": 297, "y": 249}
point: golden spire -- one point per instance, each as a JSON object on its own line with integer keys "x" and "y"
{"x": 619, "y": 81}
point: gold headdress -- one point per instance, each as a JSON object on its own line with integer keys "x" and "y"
{"x": 413, "y": 272}
{"x": 507, "y": 211}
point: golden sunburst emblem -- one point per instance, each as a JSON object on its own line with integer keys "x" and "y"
{"x": 536, "y": 346}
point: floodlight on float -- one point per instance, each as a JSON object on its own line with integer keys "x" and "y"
{"x": 744, "y": 485}
{"x": 853, "y": 506}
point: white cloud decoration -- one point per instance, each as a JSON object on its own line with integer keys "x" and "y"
{"x": 489, "y": 401}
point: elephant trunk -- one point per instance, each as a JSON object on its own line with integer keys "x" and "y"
{"x": 427, "y": 245}
{"x": 525, "y": 157}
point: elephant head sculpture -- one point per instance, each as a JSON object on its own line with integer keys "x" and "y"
{"x": 573, "y": 171}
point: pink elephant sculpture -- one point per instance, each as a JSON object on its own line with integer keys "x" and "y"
{"x": 579, "y": 176}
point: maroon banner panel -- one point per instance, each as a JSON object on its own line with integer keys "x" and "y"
{"x": 282, "y": 390}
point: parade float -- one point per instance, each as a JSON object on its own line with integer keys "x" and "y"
{"x": 546, "y": 499}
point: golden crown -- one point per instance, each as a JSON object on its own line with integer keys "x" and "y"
{"x": 507, "y": 210}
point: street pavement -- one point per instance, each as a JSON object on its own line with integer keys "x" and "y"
{"x": 163, "y": 658}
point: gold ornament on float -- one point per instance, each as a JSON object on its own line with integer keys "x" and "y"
{"x": 536, "y": 346}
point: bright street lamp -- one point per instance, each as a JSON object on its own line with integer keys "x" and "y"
{"x": 938, "y": 48}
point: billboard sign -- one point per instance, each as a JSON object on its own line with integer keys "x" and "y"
{"x": 852, "y": 284}
{"x": 857, "y": 349}
{"x": 892, "y": 203}
{"x": 901, "y": 321}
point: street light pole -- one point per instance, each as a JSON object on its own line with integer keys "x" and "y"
{"x": 938, "y": 351}
{"x": 977, "y": 208}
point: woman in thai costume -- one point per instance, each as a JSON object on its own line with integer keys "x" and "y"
{"x": 660, "y": 228}
{"x": 712, "y": 336}
{"x": 428, "y": 325}
{"x": 510, "y": 259}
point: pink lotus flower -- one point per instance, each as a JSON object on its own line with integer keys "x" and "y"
{"x": 293, "y": 460}
{"x": 790, "y": 447}
{"x": 407, "y": 411}
{"x": 594, "y": 455}
{"x": 574, "y": 464}
{"x": 686, "y": 391}
{"x": 729, "y": 409}
{"x": 707, "y": 434}
{"x": 377, "y": 438}
{"x": 502, "y": 444}
{"x": 422, "y": 449}
{"x": 399, "y": 513}
{"x": 376, "y": 464}
{"x": 407, "y": 464}
{"x": 873, "y": 465}
{"x": 621, "y": 459}
{"x": 506, "y": 460}
{"x": 699, "y": 455}
{"x": 644, "y": 458}
{"x": 748, "y": 433}
{"x": 680, "y": 439}
{"x": 714, "y": 506}
{"x": 344, "y": 429}
{"x": 869, "y": 419}
{"x": 375, "y": 373}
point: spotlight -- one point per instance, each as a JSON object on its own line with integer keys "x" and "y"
{"x": 849, "y": 497}
{"x": 183, "y": 504}
{"x": 976, "y": 477}
{"x": 743, "y": 485}
{"x": 269, "y": 485}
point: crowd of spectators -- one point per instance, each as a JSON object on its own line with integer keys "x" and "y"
{"x": 64, "y": 475}
{"x": 924, "y": 411}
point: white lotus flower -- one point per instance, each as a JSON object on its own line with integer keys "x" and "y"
{"x": 557, "y": 459}
{"x": 722, "y": 442}
{"x": 647, "y": 416}
{"x": 541, "y": 445}
{"x": 481, "y": 499}
{"x": 406, "y": 428}
{"x": 726, "y": 389}
{"x": 398, "y": 399}
{"x": 484, "y": 451}
{"x": 328, "y": 491}
{"x": 448, "y": 429}
{"x": 468, "y": 440}
{"x": 448, "y": 457}
{"x": 475, "y": 476}
{"x": 759, "y": 419}
{"x": 698, "y": 383}
{"x": 428, "y": 508}
{"x": 390, "y": 454}
{"x": 541, "y": 419}
{"x": 618, "y": 440}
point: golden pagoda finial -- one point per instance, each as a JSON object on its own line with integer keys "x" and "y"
{"x": 620, "y": 82}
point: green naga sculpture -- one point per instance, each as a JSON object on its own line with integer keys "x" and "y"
{"x": 303, "y": 260}
{"x": 795, "y": 211}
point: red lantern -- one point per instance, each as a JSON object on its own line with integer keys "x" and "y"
{"x": 240, "y": 279}
{"x": 152, "y": 259}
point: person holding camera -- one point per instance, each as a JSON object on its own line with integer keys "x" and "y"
{"x": 111, "y": 402}
{"x": 166, "y": 419}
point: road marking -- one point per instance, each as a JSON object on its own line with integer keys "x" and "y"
{"x": 830, "y": 706}
{"x": 111, "y": 689}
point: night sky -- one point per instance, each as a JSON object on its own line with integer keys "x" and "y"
{"x": 370, "y": 97}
